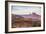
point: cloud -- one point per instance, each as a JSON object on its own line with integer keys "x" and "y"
{"x": 25, "y": 9}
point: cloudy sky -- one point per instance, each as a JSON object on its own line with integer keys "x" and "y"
{"x": 21, "y": 10}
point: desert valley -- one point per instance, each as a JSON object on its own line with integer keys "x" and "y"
{"x": 30, "y": 20}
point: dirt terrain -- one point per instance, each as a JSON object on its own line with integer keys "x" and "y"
{"x": 25, "y": 22}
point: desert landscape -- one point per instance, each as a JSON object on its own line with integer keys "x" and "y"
{"x": 30, "y": 20}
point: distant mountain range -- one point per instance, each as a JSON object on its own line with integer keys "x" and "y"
{"x": 34, "y": 16}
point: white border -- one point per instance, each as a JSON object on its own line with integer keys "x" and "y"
{"x": 23, "y": 29}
